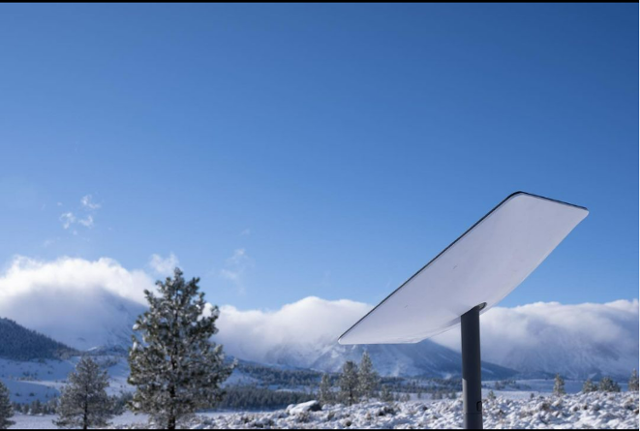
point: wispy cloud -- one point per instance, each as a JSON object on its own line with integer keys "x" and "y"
{"x": 245, "y": 232}
{"x": 163, "y": 265}
{"x": 236, "y": 267}
{"x": 67, "y": 219}
{"x": 87, "y": 221}
{"x": 88, "y": 203}
{"x": 86, "y": 217}
{"x": 49, "y": 242}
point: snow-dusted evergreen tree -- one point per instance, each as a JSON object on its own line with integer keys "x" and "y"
{"x": 368, "y": 379}
{"x": 84, "y": 402}
{"x": 349, "y": 394}
{"x": 6, "y": 409}
{"x": 558, "y": 386}
{"x": 386, "y": 395}
{"x": 35, "y": 408}
{"x": 589, "y": 386}
{"x": 633, "y": 381}
{"x": 176, "y": 367}
{"x": 608, "y": 385}
{"x": 326, "y": 393}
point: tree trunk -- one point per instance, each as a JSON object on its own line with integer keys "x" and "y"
{"x": 85, "y": 418}
{"x": 172, "y": 417}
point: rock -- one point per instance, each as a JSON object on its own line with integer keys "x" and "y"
{"x": 310, "y": 406}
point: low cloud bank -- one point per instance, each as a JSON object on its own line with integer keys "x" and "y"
{"x": 86, "y": 303}
{"x": 79, "y": 302}
{"x": 575, "y": 340}
{"x": 560, "y": 338}
{"x": 299, "y": 328}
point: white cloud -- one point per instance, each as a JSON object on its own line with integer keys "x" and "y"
{"x": 81, "y": 301}
{"x": 87, "y": 221}
{"x": 570, "y": 339}
{"x": 49, "y": 242}
{"x": 302, "y": 325}
{"x": 71, "y": 276}
{"x": 245, "y": 232}
{"x": 235, "y": 269}
{"x": 67, "y": 219}
{"x": 88, "y": 203}
{"x": 567, "y": 337}
{"x": 164, "y": 265}
{"x": 76, "y": 301}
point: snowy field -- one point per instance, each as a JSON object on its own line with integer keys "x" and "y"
{"x": 595, "y": 410}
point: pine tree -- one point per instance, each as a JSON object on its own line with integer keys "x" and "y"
{"x": 349, "y": 384}
{"x": 558, "y": 386}
{"x": 368, "y": 379}
{"x": 633, "y": 381}
{"x": 491, "y": 396}
{"x": 6, "y": 409}
{"x": 326, "y": 394}
{"x": 386, "y": 395}
{"x": 36, "y": 407}
{"x": 608, "y": 385}
{"x": 84, "y": 402}
{"x": 176, "y": 368}
{"x": 589, "y": 386}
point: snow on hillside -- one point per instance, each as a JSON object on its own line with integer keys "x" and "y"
{"x": 42, "y": 380}
{"x": 426, "y": 359}
{"x": 582, "y": 411}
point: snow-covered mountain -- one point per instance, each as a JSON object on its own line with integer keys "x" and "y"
{"x": 577, "y": 341}
{"x": 93, "y": 305}
{"x": 575, "y": 357}
{"x": 81, "y": 303}
{"x": 426, "y": 359}
{"x": 106, "y": 323}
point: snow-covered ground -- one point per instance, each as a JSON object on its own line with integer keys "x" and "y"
{"x": 42, "y": 422}
{"x": 42, "y": 380}
{"x": 595, "y": 410}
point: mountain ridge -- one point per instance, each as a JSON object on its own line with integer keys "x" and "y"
{"x": 21, "y": 344}
{"x": 573, "y": 358}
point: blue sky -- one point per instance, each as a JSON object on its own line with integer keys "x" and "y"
{"x": 330, "y": 150}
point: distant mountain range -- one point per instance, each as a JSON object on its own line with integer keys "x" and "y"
{"x": 112, "y": 333}
{"x": 426, "y": 359}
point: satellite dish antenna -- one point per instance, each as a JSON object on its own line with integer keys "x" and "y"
{"x": 467, "y": 278}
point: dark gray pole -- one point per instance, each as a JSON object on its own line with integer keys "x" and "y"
{"x": 471, "y": 369}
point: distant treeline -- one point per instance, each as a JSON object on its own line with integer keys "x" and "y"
{"x": 281, "y": 378}
{"x": 255, "y": 398}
